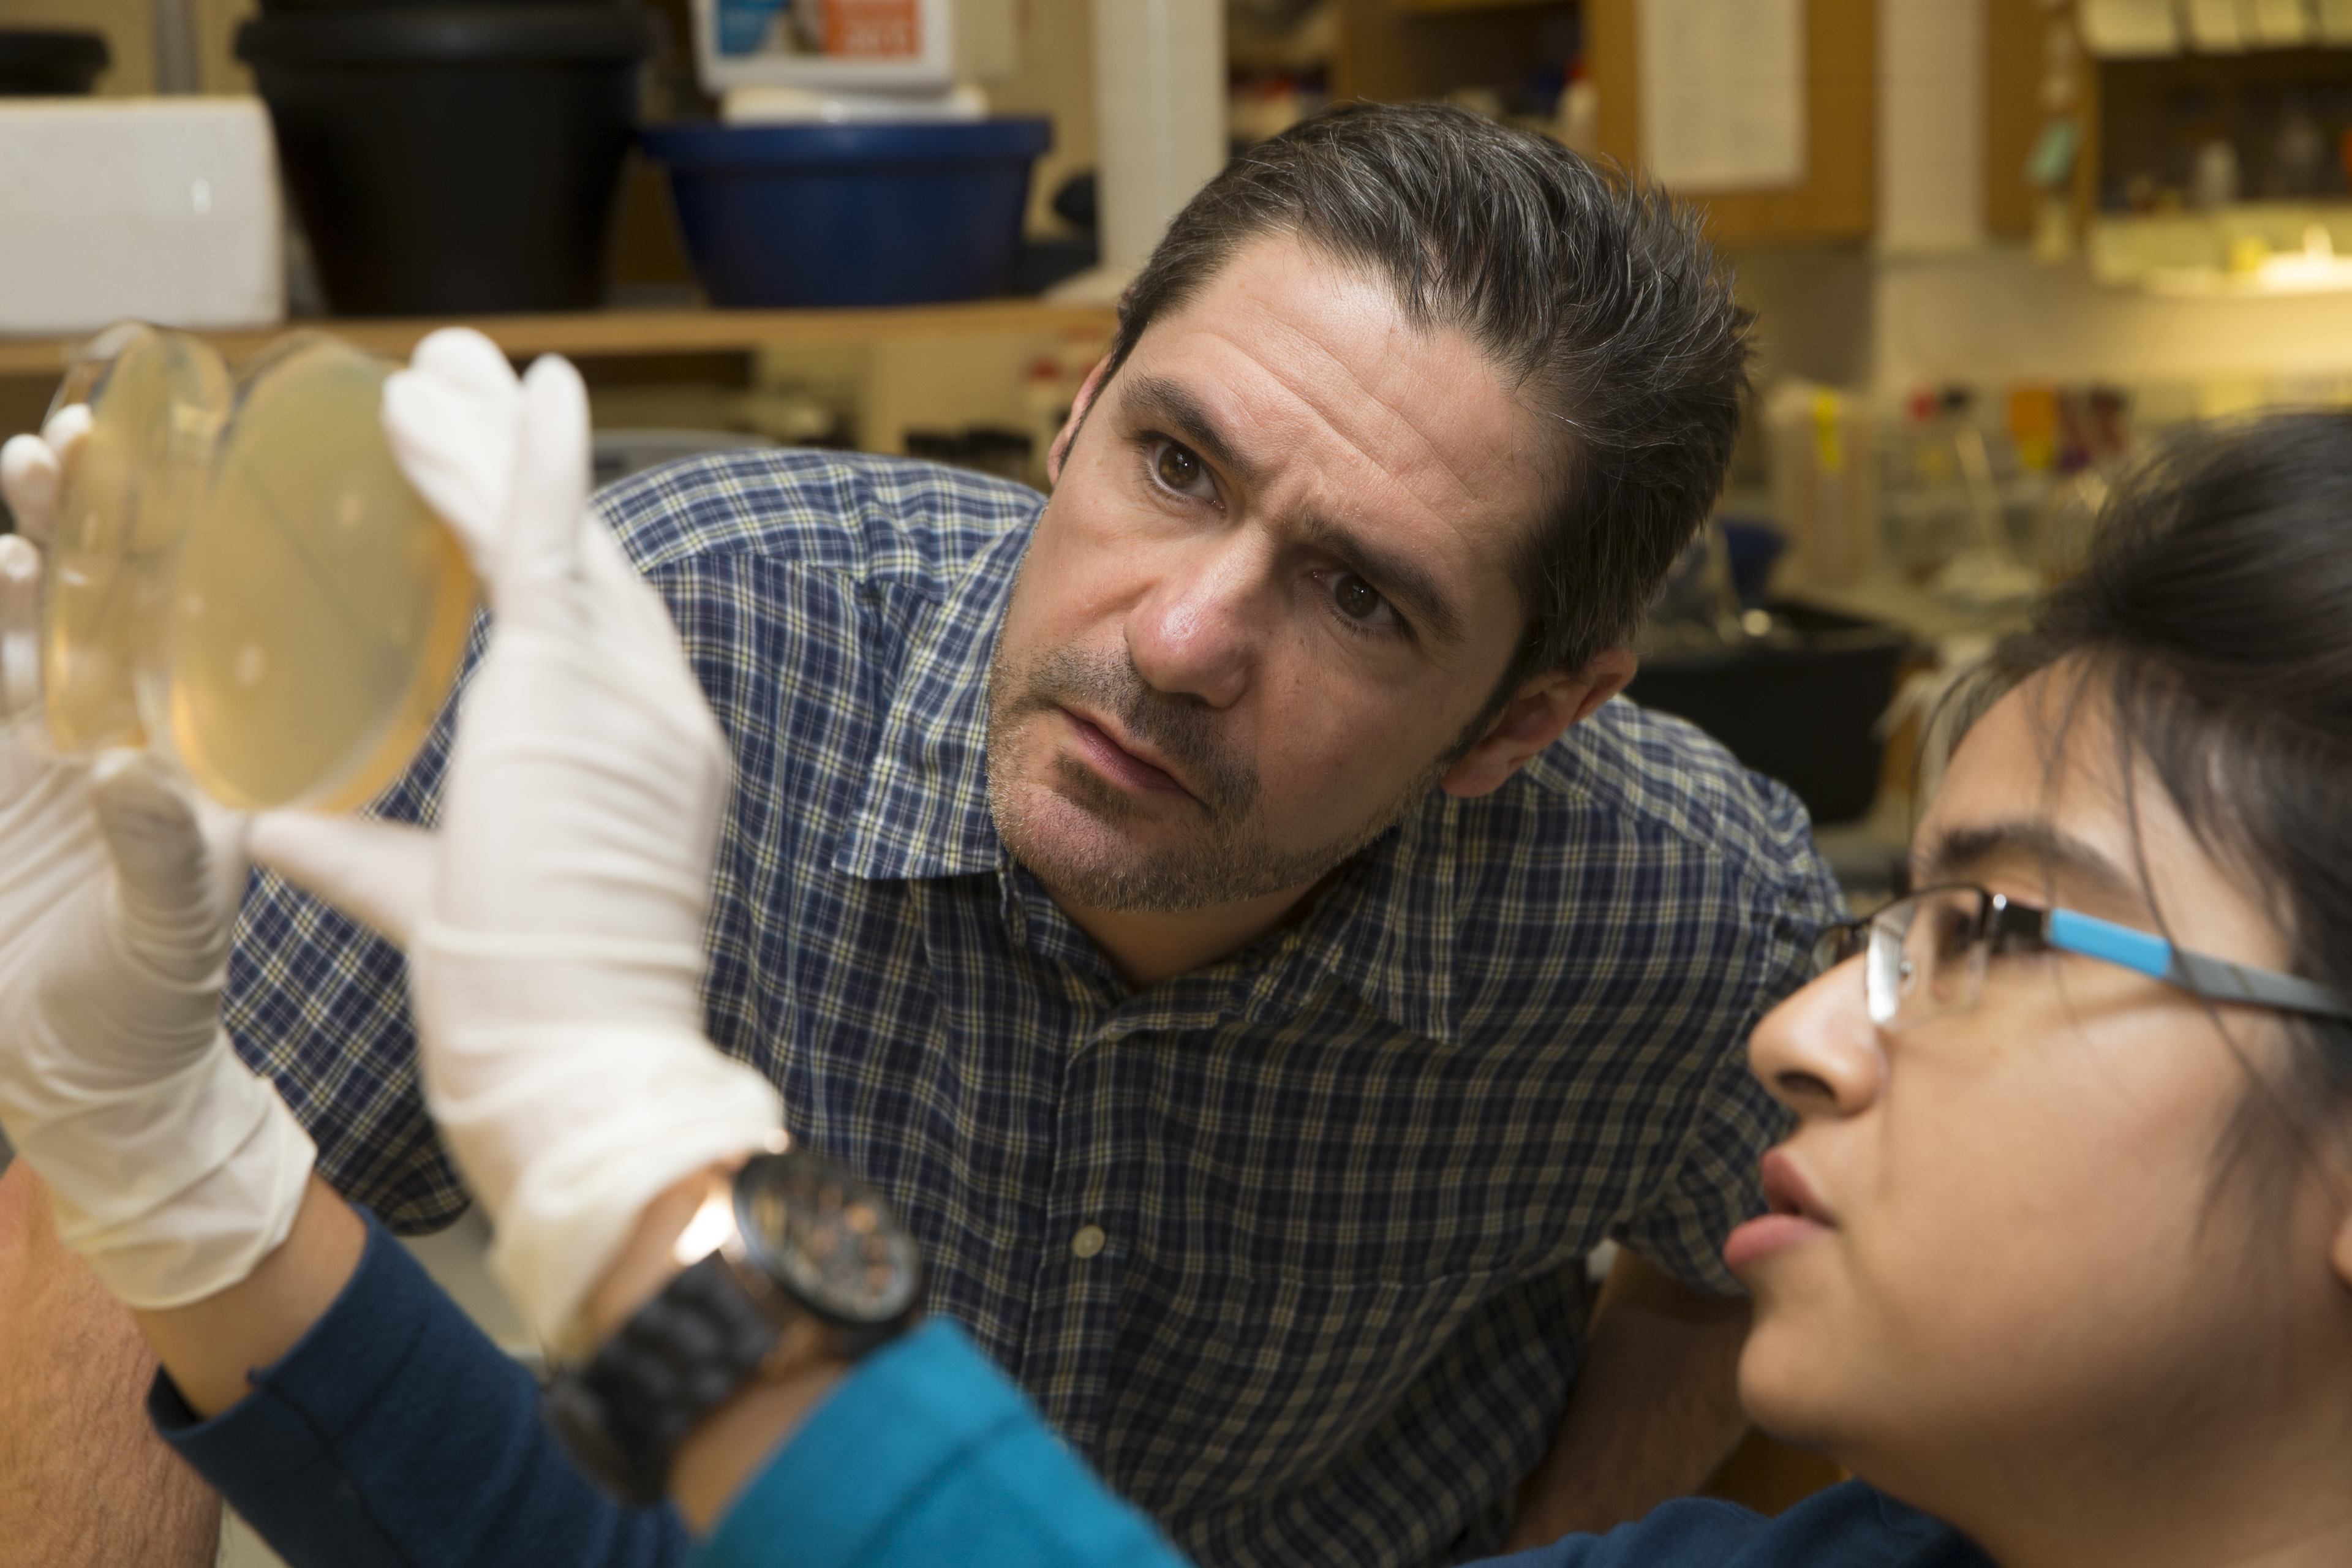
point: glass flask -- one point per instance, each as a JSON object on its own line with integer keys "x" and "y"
{"x": 239, "y": 576}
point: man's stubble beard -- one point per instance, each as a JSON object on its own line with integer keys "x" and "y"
{"x": 1227, "y": 861}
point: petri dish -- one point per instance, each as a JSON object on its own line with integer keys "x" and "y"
{"x": 250, "y": 584}
{"x": 156, "y": 401}
{"x": 321, "y": 609}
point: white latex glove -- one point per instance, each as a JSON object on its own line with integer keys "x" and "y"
{"x": 170, "y": 1167}
{"x": 29, "y": 470}
{"x": 553, "y": 921}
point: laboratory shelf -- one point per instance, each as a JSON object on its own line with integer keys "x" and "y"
{"x": 1442, "y": 7}
{"x": 630, "y": 334}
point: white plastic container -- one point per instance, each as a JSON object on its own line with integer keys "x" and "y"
{"x": 852, "y": 60}
{"x": 1159, "y": 103}
{"x": 164, "y": 209}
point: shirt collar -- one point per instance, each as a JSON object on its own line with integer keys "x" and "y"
{"x": 924, "y": 811}
{"x": 1386, "y": 930}
{"x": 1383, "y": 930}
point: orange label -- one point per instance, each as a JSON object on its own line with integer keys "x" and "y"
{"x": 873, "y": 30}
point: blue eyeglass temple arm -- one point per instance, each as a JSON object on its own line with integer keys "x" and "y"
{"x": 2215, "y": 979}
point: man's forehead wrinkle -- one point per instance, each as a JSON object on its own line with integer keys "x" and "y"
{"x": 1466, "y": 494}
{"x": 1346, "y": 507}
{"x": 1148, "y": 398}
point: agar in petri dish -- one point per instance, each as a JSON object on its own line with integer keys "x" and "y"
{"x": 320, "y": 610}
{"x": 156, "y": 401}
{"x": 248, "y": 583}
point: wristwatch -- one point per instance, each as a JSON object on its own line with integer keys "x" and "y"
{"x": 802, "y": 1260}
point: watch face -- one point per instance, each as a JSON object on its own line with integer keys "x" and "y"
{"x": 833, "y": 1241}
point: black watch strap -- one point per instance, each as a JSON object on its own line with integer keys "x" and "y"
{"x": 683, "y": 1354}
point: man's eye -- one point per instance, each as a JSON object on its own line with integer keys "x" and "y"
{"x": 1180, "y": 469}
{"x": 1361, "y": 603}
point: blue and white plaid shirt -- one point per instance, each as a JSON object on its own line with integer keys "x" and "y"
{"x": 1291, "y": 1246}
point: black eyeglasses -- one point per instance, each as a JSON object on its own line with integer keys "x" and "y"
{"x": 1928, "y": 954}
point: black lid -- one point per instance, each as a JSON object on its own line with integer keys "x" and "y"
{"x": 448, "y": 34}
{"x": 50, "y": 60}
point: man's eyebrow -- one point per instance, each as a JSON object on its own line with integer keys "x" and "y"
{"x": 1961, "y": 850}
{"x": 1399, "y": 576}
{"x": 1157, "y": 401}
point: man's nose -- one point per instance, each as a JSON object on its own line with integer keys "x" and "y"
{"x": 1196, "y": 632}
{"x": 1818, "y": 1052}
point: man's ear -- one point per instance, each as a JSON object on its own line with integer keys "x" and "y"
{"x": 1059, "y": 452}
{"x": 1538, "y": 713}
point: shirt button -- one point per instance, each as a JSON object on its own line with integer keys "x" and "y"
{"x": 1088, "y": 1241}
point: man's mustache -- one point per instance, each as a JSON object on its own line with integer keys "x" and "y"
{"x": 1181, "y": 729}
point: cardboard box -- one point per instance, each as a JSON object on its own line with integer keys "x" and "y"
{"x": 164, "y": 209}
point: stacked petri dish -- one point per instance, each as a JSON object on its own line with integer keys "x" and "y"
{"x": 238, "y": 575}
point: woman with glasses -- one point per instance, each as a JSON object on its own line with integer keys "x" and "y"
{"x": 2060, "y": 1250}
{"x": 2059, "y": 1254}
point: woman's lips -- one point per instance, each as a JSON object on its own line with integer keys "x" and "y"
{"x": 1117, "y": 763}
{"x": 1798, "y": 1215}
{"x": 1767, "y": 1234}
{"x": 1785, "y": 1191}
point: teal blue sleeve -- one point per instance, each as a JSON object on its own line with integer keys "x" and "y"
{"x": 926, "y": 1455}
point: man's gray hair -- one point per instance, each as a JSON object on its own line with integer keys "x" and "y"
{"x": 1597, "y": 295}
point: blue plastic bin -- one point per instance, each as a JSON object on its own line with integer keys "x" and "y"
{"x": 782, "y": 216}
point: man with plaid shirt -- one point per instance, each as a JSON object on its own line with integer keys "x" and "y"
{"x": 1221, "y": 905}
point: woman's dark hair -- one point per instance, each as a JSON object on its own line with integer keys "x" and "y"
{"x": 1597, "y": 295}
{"x": 2214, "y": 618}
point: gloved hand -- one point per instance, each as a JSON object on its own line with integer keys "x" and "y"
{"x": 553, "y": 920}
{"x": 170, "y": 1167}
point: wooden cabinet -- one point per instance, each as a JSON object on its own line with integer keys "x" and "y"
{"x": 1839, "y": 197}
{"x": 2014, "y": 65}
{"x": 1401, "y": 49}
{"x": 1396, "y": 51}
{"x": 2194, "y": 164}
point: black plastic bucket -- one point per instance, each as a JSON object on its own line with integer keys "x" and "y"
{"x": 1806, "y": 715}
{"x": 41, "y": 62}
{"x": 450, "y": 159}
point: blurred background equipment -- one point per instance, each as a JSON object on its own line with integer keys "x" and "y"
{"x": 618, "y": 453}
{"x": 173, "y": 22}
{"x": 853, "y": 212}
{"x": 853, "y": 160}
{"x": 196, "y": 239}
{"x": 47, "y": 62}
{"x": 983, "y": 448}
{"x": 1796, "y": 693}
{"x": 453, "y": 158}
{"x": 1160, "y": 104}
{"x": 1824, "y": 479}
{"x": 888, "y": 60}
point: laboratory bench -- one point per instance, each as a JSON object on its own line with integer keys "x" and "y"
{"x": 867, "y": 378}
{"x": 626, "y": 333}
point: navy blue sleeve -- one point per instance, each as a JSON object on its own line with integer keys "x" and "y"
{"x": 397, "y": 1434}
{"x": 1848, "y": 1526}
